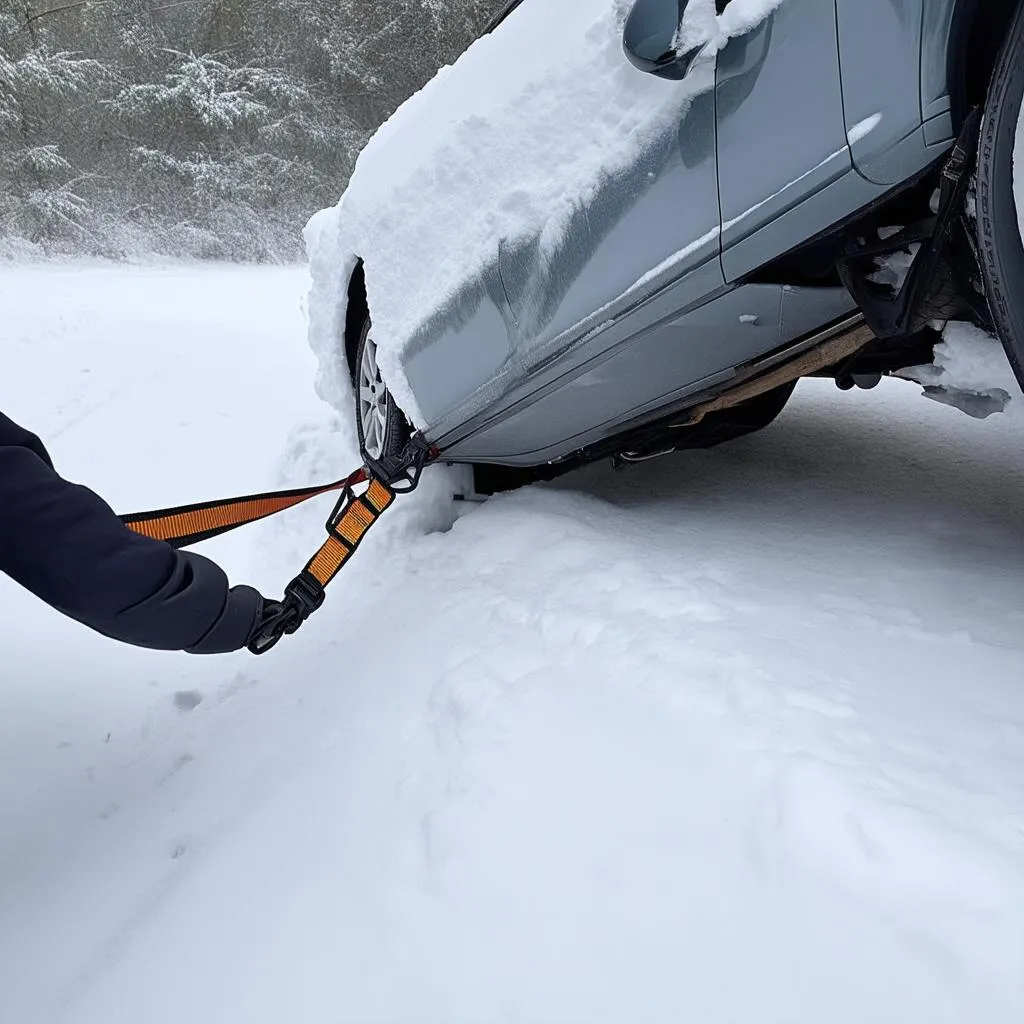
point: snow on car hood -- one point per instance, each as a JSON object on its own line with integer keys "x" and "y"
{"x": 504, "y": 144}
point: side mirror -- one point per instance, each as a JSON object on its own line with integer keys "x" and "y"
{"x": 650, "y": 35}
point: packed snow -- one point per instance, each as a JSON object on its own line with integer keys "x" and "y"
{"x": 466, "y": 163}
{"x": 703, "y": 26}
{"x": 737, "y": 735}
{"x": 971, "y": 372}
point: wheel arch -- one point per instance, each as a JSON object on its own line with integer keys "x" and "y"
{"x": 356, "y": 312}
{"x": 960, "y": 45}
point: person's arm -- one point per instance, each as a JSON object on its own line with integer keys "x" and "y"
{"x": 66, "y": 545}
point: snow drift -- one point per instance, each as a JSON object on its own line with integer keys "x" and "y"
{"x": 505, "y": 144}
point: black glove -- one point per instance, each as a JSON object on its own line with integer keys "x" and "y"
{"x": 269, "y": 627}
{"x": 281, "y": 618}
{"x": 243, "y": 610}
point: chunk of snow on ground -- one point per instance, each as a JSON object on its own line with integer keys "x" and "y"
{"x": 972, "y": 362}
{"x": 504, "y": 145}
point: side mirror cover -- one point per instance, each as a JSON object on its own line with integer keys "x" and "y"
{"x": 649, "y": 39}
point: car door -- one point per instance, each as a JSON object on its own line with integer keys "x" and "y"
{"x": 615, "y": 319}
{"x": 611, "y": 217}
{"x": 782, "y": 81}
{"x": 641, "y": 225}
{"x": 780, "y": 127}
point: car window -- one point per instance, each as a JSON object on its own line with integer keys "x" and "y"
{"x": 501, "y": 16}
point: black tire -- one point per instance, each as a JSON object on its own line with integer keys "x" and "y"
{"x": 395, "y": 427}
{"x": 999, "y": 239}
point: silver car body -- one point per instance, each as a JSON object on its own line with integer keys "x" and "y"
{"x": 866, "y": 94}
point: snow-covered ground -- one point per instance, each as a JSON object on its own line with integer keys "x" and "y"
{"x": 733, "y": 736}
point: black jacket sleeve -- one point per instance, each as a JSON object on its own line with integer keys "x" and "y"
{"x": 65, "y": 544}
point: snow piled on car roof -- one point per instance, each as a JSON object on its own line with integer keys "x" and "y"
{"x": 504, "y": 144}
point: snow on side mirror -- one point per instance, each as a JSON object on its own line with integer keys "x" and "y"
{"x": 649, "y": 39}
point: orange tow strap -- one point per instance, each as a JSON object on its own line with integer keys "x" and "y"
{"x": 348, "y": 524}
{"x": 190, "y": 524}
{"x": 347, "y": 529}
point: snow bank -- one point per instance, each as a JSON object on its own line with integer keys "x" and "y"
{"x": 505, "y": 144}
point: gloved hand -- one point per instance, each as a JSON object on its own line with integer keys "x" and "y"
{"x": 272, "y": 622}
{"x": 280, "y": 618}
{"x": 243, "y": 610}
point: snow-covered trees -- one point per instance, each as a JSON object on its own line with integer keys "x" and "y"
{"x": 377, "y": 54}
{"x": 227, "y": 144}
{"x": 40, "y": 191}
{"x": 210, "y": 128}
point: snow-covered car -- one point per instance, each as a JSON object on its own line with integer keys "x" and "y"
{"x": 625, "y": 227}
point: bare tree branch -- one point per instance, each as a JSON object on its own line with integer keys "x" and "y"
{"x": 65, "y": 7}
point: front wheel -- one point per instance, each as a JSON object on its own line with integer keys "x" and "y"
{"x": 383, "y": 429}
{"x": 1001, "y": 198}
